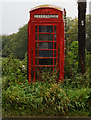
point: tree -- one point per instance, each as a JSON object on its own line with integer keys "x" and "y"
{"x": 15, "y": 43}
{"x": 81, "y": 34}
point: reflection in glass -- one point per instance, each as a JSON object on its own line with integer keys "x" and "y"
{"x": 43, "y": 28}
{"x": 46, "y": 37}
{"x": 46, "y": 53}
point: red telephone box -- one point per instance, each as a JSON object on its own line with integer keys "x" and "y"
{"x": 45, "y": 41}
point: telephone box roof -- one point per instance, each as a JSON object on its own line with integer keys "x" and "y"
{"x": 47, "y": 6}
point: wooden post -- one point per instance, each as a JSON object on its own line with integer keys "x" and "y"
{"x": 81, "y": 34}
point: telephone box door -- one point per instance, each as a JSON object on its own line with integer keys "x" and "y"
{"x": 46, "y": 46}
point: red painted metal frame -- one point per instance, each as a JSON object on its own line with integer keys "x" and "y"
{"x": 58, "y": 22}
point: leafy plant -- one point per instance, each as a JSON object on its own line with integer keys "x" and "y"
{"x": 45, "y": 99}
{"x": 47, "y": 75}
{"x": 13, "y": 71}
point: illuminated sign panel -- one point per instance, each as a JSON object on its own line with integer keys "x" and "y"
{"x": 46, "y": 16}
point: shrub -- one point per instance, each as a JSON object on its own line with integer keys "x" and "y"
{"x": 80, "y": 99}
{"x": 13, "y": 71}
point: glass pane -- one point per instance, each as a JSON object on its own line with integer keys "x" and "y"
{"x": 46, "y": 37}
{"x": 55, "y": 45}
{"x": 44, "y": 45}
{"x": 55, "y": 29}
{"x": 36, "y": 45}
{"x": 43, "y": 28}
{"x": 45, "y": 68}
{"x": 36, "y": 61}
{"x": 36, "y": 28}
{"x": 36, "y": 53}
{"x": 36, "y": 36}
{"x": 55, "y": 53}
{"x": 45, "y": 61}
{"x": 46, "y": 53}
{"x": 54, "y": 61}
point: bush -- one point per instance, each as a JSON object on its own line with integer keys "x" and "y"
{"x": 13, "y": 71}
{"x": 79, "y": 101}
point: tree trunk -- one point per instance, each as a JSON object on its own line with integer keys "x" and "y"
{"x": 81, "y": 35}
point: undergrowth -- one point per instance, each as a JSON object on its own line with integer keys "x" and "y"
{"x": 43, "y": 98}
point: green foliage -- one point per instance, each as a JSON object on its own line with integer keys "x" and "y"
{"x": 16, "y": 43}
{"x": 13, "y": 71}
{"x": 88, "y": 68}
{"x": 36, "y": 99}
{"x": 47, "y": 75}
{"x": 80, "y": 100}
{"x": 44, "y": 99}
{"x": 0, "y": 44}
{"x": 71, "y": 30}
{"x": 72, "y": 75}
{"x": 88, "y": 33}
{"x": 6, "y": 39}
{"x": 71, "y": 60}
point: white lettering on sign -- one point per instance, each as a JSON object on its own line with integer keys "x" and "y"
{"x": 46, "y": 16}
